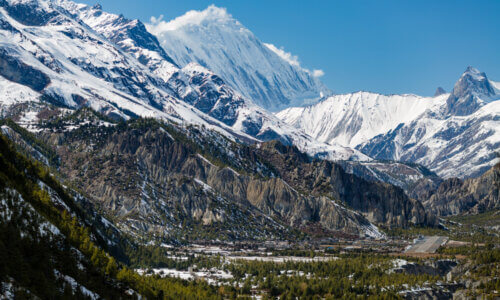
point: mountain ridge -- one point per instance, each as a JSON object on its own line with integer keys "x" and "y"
{"x": 410, "y": 128}
{"x": 160, "y": 172}
{"x": 123, "y": 78}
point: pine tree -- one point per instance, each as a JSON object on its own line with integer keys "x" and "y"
{"x": 111, "y": 267}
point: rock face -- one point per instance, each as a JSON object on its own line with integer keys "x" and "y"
{"x": 469, "y": 93}
{"x": 474, "y": 195}
{"x": 29, "y": 13}
{"x": 15, "y": 70}
{"x": 439, "y": 91}
{"x": 413, "y": 178}
{"x": 434, "y": 268}
{"x": 380, "y": 203}
{"x": 188, "y": 183}
{"x": 152, "y": 178}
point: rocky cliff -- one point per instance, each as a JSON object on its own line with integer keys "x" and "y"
{"x": 381, "y": 203}
{"x": 186, "y": 182}
{"x": 474, "y": 195}
{"x": 152, "y": 182}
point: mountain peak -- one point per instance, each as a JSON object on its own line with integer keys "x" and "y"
{"x": 214, "y": 39}
{"x": 469, "y": 93}
{"x": 472, "y": 70}
{"x": 474, "y": 73}
{"x": 439, "y": 91}
{"x": 474, "y": 82}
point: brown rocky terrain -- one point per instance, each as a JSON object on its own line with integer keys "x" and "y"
{"x": 381, "y": 203}
{"x": 167, "y": 180}
{"x": 154, "y": 178}
{"x": 474, "y": 195}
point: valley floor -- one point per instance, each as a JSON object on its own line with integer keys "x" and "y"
{"x": 409, "y": 265}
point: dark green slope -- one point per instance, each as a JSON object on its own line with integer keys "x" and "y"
{"x": 52, "y": 248}
{"x": 41, "y": 246}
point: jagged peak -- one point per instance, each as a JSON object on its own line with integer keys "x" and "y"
{"x": 471, "y": 69}
{"x": 469, "y": 93}
{"x": 474, "y": 73}
{"x": 473, "y": 81}
{"x": 211, "y": 15}
{"x": 439, "y": 91}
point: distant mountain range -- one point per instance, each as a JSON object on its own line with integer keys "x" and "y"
{"x": 454, "y": 135}
{"x": 71, "y": 74}
{"x": 76, "y": 55}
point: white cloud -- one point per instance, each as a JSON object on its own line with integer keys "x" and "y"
{"x": 193, "y": 17}
{"x": 291, "y": 59}
{"x": 155, "y": 20}
{"x": 318, "y": 73}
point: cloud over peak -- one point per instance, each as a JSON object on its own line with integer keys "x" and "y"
{"x": 289, "y": 57}
{"x": 211, "y": 15}
{"x": 318, "y": 73}
{"x": 292, "y": 59}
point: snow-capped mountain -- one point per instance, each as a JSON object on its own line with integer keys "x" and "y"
{"x": 259, "y": 71}
{"x": 471, "y": 91}
{"x": 452, "y": 134}
{"x": 64, "y": 61}
{"x": 351, "y": 119}
{"x": 457, "y": 139}
{"x": 76, "y": 55}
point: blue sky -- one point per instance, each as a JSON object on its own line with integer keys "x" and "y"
{"x": 380, "y": 46}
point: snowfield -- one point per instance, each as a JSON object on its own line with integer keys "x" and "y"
{"x": 351, "y": 119}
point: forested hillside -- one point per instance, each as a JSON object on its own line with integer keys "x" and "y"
{"x": 50, "y": 249}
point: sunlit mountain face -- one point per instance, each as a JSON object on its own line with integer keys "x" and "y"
{"x": 133, "y": 153}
